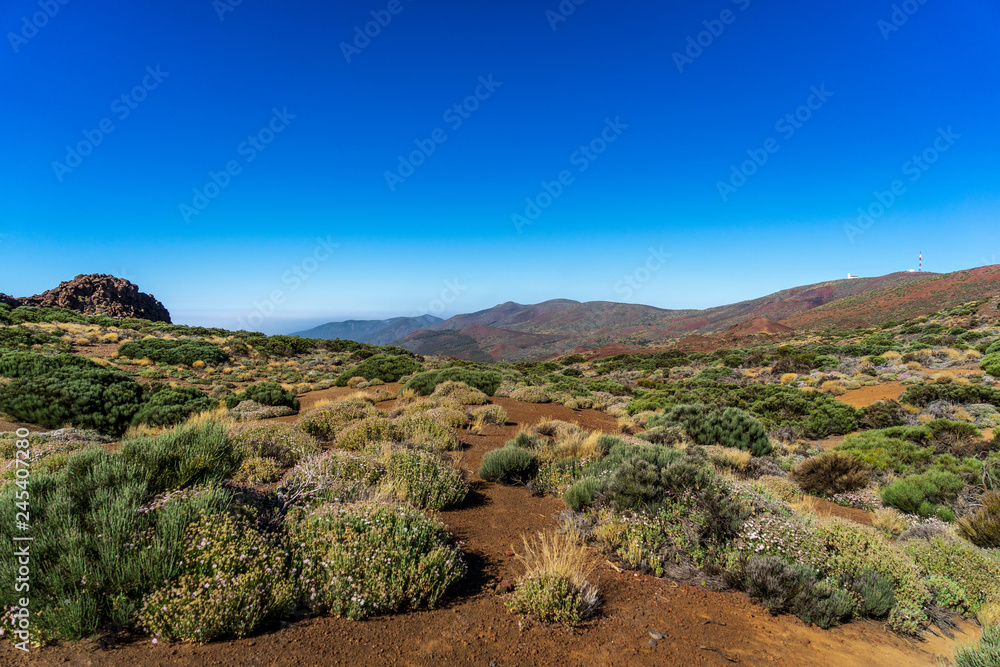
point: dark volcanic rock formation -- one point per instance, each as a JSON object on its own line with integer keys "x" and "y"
{"x": 97, "y": 294}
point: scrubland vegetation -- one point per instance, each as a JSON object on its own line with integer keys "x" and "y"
{"x": 206, "y": 520}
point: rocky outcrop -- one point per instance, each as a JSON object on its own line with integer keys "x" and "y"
{"x": 97, "y": 294}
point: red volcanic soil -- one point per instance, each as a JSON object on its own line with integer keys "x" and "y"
{"x": 473, "y": 627}
{"x": 758, "y": 325}
{"x": 921, "y": 296}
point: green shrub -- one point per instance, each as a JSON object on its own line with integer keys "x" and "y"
{"x": 922, "y": 494}
{"x": 923, "y": 395}
{"x": 830, "y": 473}
{"x": 853, "y": 548}
{"x": 875, "y": 590}
{"x": 265, "y": 393}
{"x": 15, "y": 337}
{"x": 28, "y": 364}
{"x": 707, "y": 426}
{"x": 485, "y": 381}
{"x": 531, "y": 395}
{"x": 424, "y": 430}
{"x": 783, "y": 587}
{"x": 977, "y": 571}
{"x": 170, "y": 406}
{"x": 982, "y": 527}
{"x": 90, "y": 398}
{"x": 883, "y": 450}
{"x": 102, "y": 542}
{"x": 524, "y": 441}
{"x": 361, "y": 560}
{"x": 490, "y": 414}
{"x": 325, "y": 422}
{"x": 220, "y": 591}
{"x": 509, "y": 465}
{"x": 173, "y": 352}
{"x": 882, "y": 414}
{"x": 550, "y": 598}
{"x": 257, "y": 470}
{"x": 948, "y": 594}
{"x": 334, "y": 476}
{"x": 385, "y": 367}
{"x": 282, "y": 442}
{"x": 425, "y": 480}
{"x": 367, "y": 432}
{"x": 182, "y": 456}
{"x": 583, "y": 493}
{"x": 991, "y": 364}
{"x": 958, "y": 438}
{"x": 461, "y": 392}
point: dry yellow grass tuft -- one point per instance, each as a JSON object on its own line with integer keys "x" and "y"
{"x": 890, "y": 520}
{"x": 789, "y": 378}
{"x": 198, "y": 365}
{"x": 556, "y": 554}
{"x": 834, "y": 387}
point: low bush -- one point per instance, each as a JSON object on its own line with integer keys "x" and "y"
{"x": 220, "y": 591}
{"x": 90, "y": 398}
{"x": 461, "y": 392}
{"x": 830, "y": 473}
{"x": 991, "y": 364}
{"x": 783, "y": 587}
{"x": 385, "y": 367}
{"x": 13, "y": 338}
{"x": 282, "y": 442}
{"x": 265, "y": 393}
{"x": 424, "y": 430}
{"x": 887, "y": 450}
{"x": 364, "y": 559}
{"x": 483, "y": 380}
{"x": 326, "y": 421}
{"x": 334, "y": 476}
{"x": 173, "y": 405}
{"x": 882, "y": 414}
{"x": 583, "y": 493}
{"x": 924, "y": 493}
{"x": 531, "y": 395}
{"x": 424, "y": 480}
{"x": 706, "y": 425}
{"x": 490, "y": 414}
{"x": 368, "y": 431}
{"x": 28, "y": 364}
{"x": 977, "y": 571}
{"x": 554, "y": 587}
{"x": 923, "y": 395}
{"x": 509, "y": 465}
{"x": 173, "y": 352}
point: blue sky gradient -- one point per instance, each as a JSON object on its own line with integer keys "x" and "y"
{"x": 312, "y": 230}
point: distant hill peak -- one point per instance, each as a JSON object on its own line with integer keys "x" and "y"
{"x": 375, "y": 332}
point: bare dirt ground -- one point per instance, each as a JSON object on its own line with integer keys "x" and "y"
{"x": 474, "y": 628}
{"x": 865, "y": 396}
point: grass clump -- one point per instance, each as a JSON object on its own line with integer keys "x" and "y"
{"x": 924, "y": 494}
{"x": 554, "y": 586}
{"x": 326, "y": 421}
{"x": 461, "y": 392}
{"x": 982, "y": 527}
{"x": 364, "y": 559}
{"x": 531, "y": 395}
{"x": 983, "y": 653}
{"x": 265, "y": 393}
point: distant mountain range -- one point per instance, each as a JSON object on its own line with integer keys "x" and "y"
{"x": 375, "y": 332}
{"x": 515, "y": 332}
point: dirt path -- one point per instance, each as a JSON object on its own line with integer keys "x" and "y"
{"x": 474, "y": 628}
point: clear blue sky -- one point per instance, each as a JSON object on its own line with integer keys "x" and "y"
{"x": 442, "y": 239}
